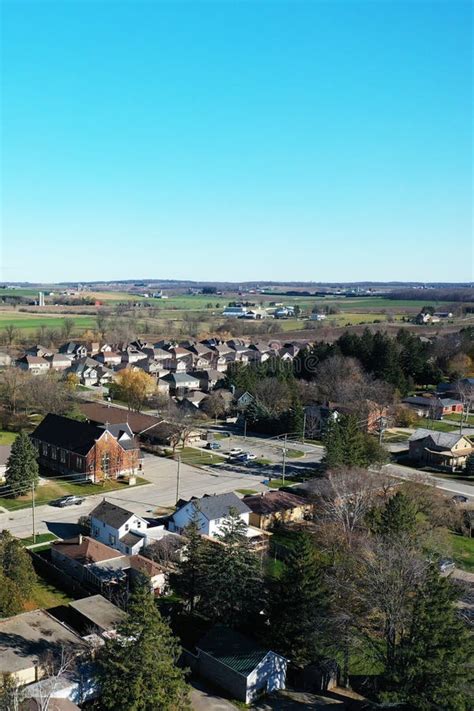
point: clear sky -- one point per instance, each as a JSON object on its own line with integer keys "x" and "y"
{"x": 225, "y": 140}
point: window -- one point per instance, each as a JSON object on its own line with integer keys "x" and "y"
{"x": 54, "y": 453}
{"x": 96, "y": 531}
{"x": 106, "y": 464}
{"x": 126, "y": 527}
{"x": 112, "y": 539}
{"x": 62, "y": 455}
{"x": 139, "y": 524}
{"x": 45, "y": 449}
{"x": 79, "y": 463}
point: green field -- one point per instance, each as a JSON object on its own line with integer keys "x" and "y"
{"x": 45, "y": 595}
{"x": 31, "y": 323}
{"x": 463, "y": 552}
{"x": 7, "y": 437}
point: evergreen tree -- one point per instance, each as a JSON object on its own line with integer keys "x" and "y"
{"x": 433, "y": 665}
{"x": 232, "y": 584}
{"x": 16, "y": 565}
{"x": 190, "y": 571}
{"x": 296, "y": 419}
{"x": 17, "y": 575}
{"x": 137, "y": 669}
{"x": 398, "y": 517}
{"x": 333, "y": 443}
{"x": 298, "y": 605}
{"x": 469, "y": 470}
{"x": 22, "y": 466}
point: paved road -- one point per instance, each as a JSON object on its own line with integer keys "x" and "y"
{"x": 450, "y": 486}
{"x": 143, "y": 500}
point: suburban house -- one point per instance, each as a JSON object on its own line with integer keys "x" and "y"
{"x": 446, "y": 450}
{"x": 59, "y": 361}
{"x": 273, "y": 507}
{"x": 211, "y": 510}
{"x": 101, "y": 567}
{"x": 238, "y": 665}
{"x": 5, "y": 359}
{"x": 433, "y": 407}
{"x": 76, "y": 350}
{"x": 208, "y": 378}
{"x": 244, "y": 400}
{"x": 109, "y": 358}
{"x": 36, "y": 365}
{"x": 462, "y": 389}
{"x": 90, "y": 372}
{"x": 67, "y": 446}
{"x": 118, "y": 528}
{"x": 25, "y": 638}
{"x": 180, "y": 383}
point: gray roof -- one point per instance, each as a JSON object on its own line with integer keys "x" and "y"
{"x": 130, "y": 539}
{"x": 26, "y": 637}
{"x": 447, "y": 440}
{"x": 180, "y": 378}
{"x": 218, "y": 505}
{"x": 99, "y": 611}
{"x": 111, "y": 514}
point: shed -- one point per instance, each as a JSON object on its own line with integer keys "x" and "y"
{"x": 239, "y": 665}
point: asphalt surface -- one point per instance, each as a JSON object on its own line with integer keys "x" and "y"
{"x": 161, "y": 492}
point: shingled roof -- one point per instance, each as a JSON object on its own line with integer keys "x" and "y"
{"x": 273, "y": 502}
{"x": 111, "y": 514}
{"x": 214, "y": 506}
{"x": 75, "y": 436}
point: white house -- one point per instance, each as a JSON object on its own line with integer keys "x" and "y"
{"x": 239, "y": 665}
{"x": 211, "y": 511}
{"x": 234, "y": 311}
{"x": 118, "y": 528}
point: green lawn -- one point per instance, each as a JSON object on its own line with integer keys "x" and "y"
{"x": 463, "y": 552}
{"x": 456, "y": 417}
{"x": 441, "y": 426}
{"x": 45, "y": 595}
{"x": 40, "y": 538}
{"x": 294, "y": 453}
{"x": 7, "y": 437}
{"x": 276, "y": 483}
{"x": 199, "y": 457}
{"x": 247, "y": 492}
{"x": 56, "y": 488}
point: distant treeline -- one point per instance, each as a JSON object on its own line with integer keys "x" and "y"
{"x": 452, "y": 295}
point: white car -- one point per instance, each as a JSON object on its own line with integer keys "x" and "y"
{"x": 235, "y": 451}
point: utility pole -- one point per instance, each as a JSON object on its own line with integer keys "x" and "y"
{"x": 177, "y": 478}
{"x": 245, "y": 429}
{"x": 284, "y": 461}
{"x": 304, "y": 425}
{"x": 33, "y": 509}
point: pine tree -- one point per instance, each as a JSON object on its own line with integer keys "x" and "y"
{"x": 16, "y": 565}
{"x": 22, "y": 466}
{"x": 296, "y": 419}
{"x": 333, "y": 443}
{"x": 190, "y": 571}
{"x": 232, "y": 584}
{"x": 433, "y": 665}
{"x": 398, "y": 517}
{"x": 298, "y": 604}
{"x": 353, "y": 442}
{"x": 469, "y": 470}
{"x": 137, "y": 670}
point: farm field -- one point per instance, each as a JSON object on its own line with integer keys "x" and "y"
{"x": 31, "y": 322}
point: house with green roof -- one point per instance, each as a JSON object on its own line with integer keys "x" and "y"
{"x": 239, "y": 665}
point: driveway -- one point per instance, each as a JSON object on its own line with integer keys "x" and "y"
{"x": 203, "y": 699}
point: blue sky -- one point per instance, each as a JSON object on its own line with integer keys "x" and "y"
{"x": 236, "y": 140}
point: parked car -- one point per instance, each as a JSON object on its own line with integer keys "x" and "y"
{"x": 213, "y": 445}
{"x": 460, "y": 499}
{"x": 235, "y": 451}
{"x": 70, "y": 501}
{"x": 246, "y": 457}
{"x": 446, "y": 565}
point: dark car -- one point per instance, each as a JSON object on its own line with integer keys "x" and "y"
{"x": 460, "y": 499}
{"x": 70, "y": 501}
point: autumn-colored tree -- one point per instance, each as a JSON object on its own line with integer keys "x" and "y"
{"x": 134, "y": 386}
